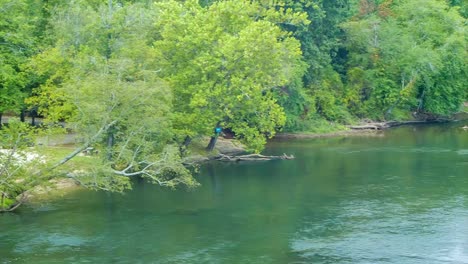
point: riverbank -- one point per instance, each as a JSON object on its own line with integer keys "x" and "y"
{"x": 55, "y": 148}
{"x": 397, "y": 196}
{"x": 368, "y": 128}
{"x": 344, "y": 133}
{"x": 196, "y": 152}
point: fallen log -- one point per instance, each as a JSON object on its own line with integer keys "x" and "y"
{"x": 252, "y": 157}
{"x": 369, "y": 127}
{"x": 389, "y": 124}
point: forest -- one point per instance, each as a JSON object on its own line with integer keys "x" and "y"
{"x": 138, "y": 80}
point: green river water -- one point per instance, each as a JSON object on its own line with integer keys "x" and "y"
{"x": 400, "y": 197}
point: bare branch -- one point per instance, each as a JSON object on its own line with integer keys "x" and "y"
{"x": 85, "y": 145}
{"x": 124, "y": 146}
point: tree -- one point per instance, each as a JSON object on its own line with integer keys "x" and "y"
{"x": 19, "y": 167}
{"x": 317, "y": 95}
{"x": 18, "y": 39}
{"x": 462, "y": 5}
{"x": 409, "y": 56}
{"x": 224, "y": 63}
{"x": 113, "y": 97}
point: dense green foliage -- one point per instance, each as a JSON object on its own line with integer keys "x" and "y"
{"x": 229, "y": 60}
{"x": 134, "y": 78}
{"x": 410, "y": 56}
{"x": 19, "y": 36}
{"x": 15, "y": 163}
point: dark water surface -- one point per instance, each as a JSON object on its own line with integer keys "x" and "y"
{"x": 401, "y": 197}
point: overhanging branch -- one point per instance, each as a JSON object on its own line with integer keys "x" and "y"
{"x": 84, "y": 146}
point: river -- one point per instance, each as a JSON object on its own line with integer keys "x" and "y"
{"x": 398, "y": 197}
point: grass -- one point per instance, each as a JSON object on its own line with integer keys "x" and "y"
{"x": 198, "y": 146}
{"x": 54, "y": 154}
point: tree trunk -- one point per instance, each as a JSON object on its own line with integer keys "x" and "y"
{"x": 214, "y": 138}
{"x": 2, "y": 203}
{"x": 253, "y": 157}
{"x": 212, "y": 143}
{"x": 22, "y": 115}
{"x": 184, "y": 146}
{"x": 1, "y": 114}
{"x": 84, "y": 146}
{"x": 187, "y": 141}
{"x": 110, "y": 144}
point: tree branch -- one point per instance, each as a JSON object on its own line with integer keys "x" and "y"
{"x": 85, "y": 145}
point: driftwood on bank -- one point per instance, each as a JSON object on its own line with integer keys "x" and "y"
{"x": 252, "y": 157}
{"x": 385, "y": 125}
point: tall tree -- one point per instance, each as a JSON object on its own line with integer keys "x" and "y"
{"x": 18, "y": 41}
{"x": 408, "y": 55}
{"x": 224, "y": 62}
{"x": 102, "y": 73}
{"x": 318, "y": 95}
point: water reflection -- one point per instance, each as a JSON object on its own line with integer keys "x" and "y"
{"x": 399, "y": 198}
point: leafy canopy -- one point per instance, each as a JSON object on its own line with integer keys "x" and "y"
{"x": 223, "y": 63}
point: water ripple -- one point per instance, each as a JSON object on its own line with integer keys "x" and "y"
{"x": 51, "y": 241}
{"x": 396, "y": 149}
{"x": 393, "y": 232}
